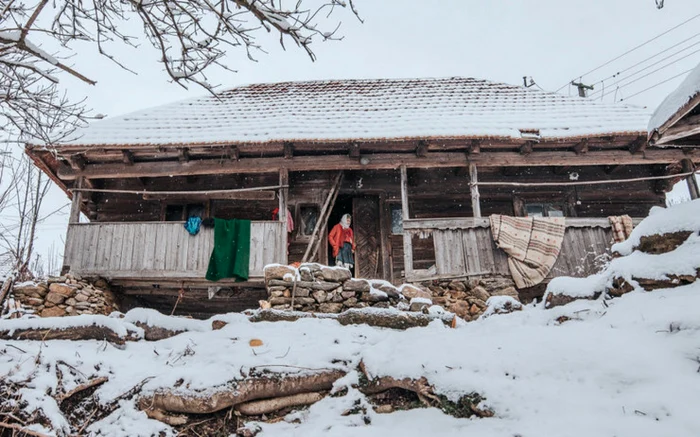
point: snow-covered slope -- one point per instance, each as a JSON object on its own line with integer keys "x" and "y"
{"x": 625, "y": 368}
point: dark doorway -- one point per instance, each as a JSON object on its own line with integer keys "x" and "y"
{"x": 366, "y": 227}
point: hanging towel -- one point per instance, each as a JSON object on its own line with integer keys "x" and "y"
{"x": 531, "y": 243}
{"x": 231, "y": 255}
{"x": 621, "y": 227}
{"x": 192, "y": 225}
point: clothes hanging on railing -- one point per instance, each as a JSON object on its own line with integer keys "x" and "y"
{"x": 531, "y": 243}
{"x": 621, "y": 227}
{"x": 230, "y": 257}
{"x": 192, "y": 225}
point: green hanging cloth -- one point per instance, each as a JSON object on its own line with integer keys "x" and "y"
{"x": 231, "y": 255}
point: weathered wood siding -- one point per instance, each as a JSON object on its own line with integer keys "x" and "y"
{"x": 159, "y": 249}
{"x": 465, "y": 247}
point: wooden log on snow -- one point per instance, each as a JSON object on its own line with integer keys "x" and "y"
{"x": 238, "y": 392}
{"x": 380, "y": 319}
{"x": 156, "y": 333}
{"x": 75, "y": 333}
{"x": 265, "y": 406}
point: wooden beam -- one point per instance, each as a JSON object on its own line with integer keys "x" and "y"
{"x": 561, "y": 169}
{"x": 288, "y": 150}
{"x": 691, "y": 180}
{"x": 323, "y": 217}
{"x": 283, "y": 201}
{"x": 474, "y": 147}
{"x": 246, "y": 195}
{"x": 527, "y": 148}
{"x": 422, "y": 149}
{"x": 354, "y": 150}
{"x": 183, "y": 155}
{"x": 610, "y": 169}
{"x": 127, "y": 157}
{"x": 474, "y": 188}
{"x": 581, "y": 147}
{"x": 77, "y": 161}
{"x": 74, "y": 216}
{"x": 638, "y": 145}
{"x": 233, "y": 153}
{"x": 407, "y": 244}
{"x": 376, "y": 162}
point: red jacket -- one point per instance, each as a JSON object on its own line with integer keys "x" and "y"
{"x": 339, "y": 236}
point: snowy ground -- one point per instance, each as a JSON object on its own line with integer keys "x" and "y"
{"x": 626, "y": 367}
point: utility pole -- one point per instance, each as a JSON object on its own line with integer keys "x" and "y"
{"x": 582, "y": 88}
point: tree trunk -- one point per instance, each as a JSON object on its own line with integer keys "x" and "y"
{"x": 73, "y": 333}
{"x": 239, "y": 392}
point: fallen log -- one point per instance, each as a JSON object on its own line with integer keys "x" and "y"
{"x": 382, "y": 319}
{"x": 156, "y": 333}
{"x": 81, "y": 387}
{"x": 265, "y": 406}
{"x": 92, "y": 332}
{"x": 21, "y": 430}
{"x": 239, "y": 392}
{"x": 169, "y": 419}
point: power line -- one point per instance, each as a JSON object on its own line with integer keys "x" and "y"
{"x": 660, "y": 83}
{"x": 632, "y": 49}
{"x": 650, "y": 58}
{"x": 648, "y": 74}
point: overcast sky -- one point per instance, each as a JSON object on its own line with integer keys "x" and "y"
{"x": 552, "y": 41}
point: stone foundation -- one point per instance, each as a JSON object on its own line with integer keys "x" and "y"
{"x": 332, "y": 290}
{"x": 65, "y": 296}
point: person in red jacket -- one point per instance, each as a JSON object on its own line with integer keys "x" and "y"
{"x": 342, "y": 241}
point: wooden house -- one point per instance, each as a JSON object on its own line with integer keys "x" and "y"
{"x": 676, "y": 125}
{"x": 419, "y": 163}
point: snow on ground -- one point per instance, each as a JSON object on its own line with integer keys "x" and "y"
{"x": 626, "y": 367}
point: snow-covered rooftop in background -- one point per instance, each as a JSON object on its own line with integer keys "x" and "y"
{"x": 674, "y": 102}
{"x": 378, "y": 109}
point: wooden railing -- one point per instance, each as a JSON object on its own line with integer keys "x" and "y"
{"x": 465, "y": 247}
{"x": 153, "y": 250}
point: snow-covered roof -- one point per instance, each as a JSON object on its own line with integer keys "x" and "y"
{"x": 367, "y": 110}
{"x": 678, "y": 102}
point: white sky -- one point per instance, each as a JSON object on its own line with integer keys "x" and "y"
{"x": 551, "y": 40}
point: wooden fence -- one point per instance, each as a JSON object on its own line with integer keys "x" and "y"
{"x": 160, "y": 249}
{"x": 465, "y": 247}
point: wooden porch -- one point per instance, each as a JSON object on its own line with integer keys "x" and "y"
{"x": 161, "y": 251}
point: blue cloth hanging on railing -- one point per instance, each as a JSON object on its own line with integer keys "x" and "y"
{"x": 192, "y": 225}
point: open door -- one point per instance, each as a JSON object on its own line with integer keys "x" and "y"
{"x": 366, "y": 225}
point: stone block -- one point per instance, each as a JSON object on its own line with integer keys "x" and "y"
{"x": 374, "y": 297}
{"x": 33, "y": 301}
{"x": 53, "y": 312}
{"x": 411, "y": 291}
{"x": 335, "y": 274}
{"x": 277, "y": 293}
{"x": 347, "y": 294}
{"x": 302, "y": 292}
{"x": 278, "y": 272}
{"x": 304, "y": 300}
{"x": 80, "y": 297}
{"x": 328, "y": 307}
{"x": 320, "y": 296}
{"x": 460, "y": 308}
{"x": 418, "y": 306}
{"x": 457, "y": 286}
{"x": 280, "y": 300}
{"x": 480, "y": 293}
{"x": 55, "y": 298}
{"x": 358, "y": 285}
{"x": 351, "y": 302}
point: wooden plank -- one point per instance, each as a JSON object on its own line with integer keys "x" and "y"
{"x": 445, "y": 223}
{"x": 257, "y": 239}
{"x": 407, "y": 243}
{"x": 474, "y": 188}
{"x": 311, "y": 248}
{"x": 379, "y": 161}
{"x": 74, "y": 216}
{"x": 283, "y": 202}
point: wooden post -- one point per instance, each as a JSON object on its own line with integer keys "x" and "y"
{"x": 407, "y": 244}
{"x": 284, "y": 193}
{"x": 473, "y": 179}
{"x": 691, "y": 180}
{"x": 74, "y": 216}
